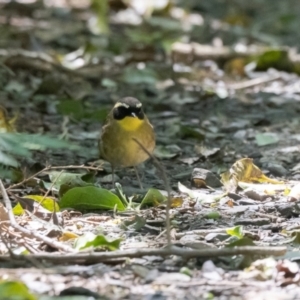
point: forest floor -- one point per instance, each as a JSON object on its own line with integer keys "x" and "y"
{"x": 61, "y": 78}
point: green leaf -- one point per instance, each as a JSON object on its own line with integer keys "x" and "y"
{"x": 18, "y": 210}
{"x": 244, "y": 241}
{"x": 153, "y": 198}
{"x": 235, "y": 231}
{"x": 191, "y": 132}
{"x": 47, "y": 203}
{"x": 121, "y": 194}
{"x": 214, "y": 215}
{"x": 7, "y": 160}
{"x": 135, "y": 76}
{"x": 296, "y": 237}
{"x": 90, "y": 198}
{"x": 72, "y": 179}
{"x": 20, "y": 144}
{"x": 135, "y": 224}
{"x": 275, "y": 58}
{"x": 91, "y": 240}
{"x": 15, "y": 290}
{"x": 267, "y": 138}
{"x": 71, "y": 107}
{"x": 167, "y": 152}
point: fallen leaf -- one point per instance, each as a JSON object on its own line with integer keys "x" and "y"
{"x": 67, "y": 236}
{"x": 15, "y": 290}
{"x": 153, "y": 198}
{"x": 244, "y": 170}
{"x": 235, "y": 231}
{"x": 6, "y": 125}
{"x": 91, "y": 240}
{"x": 90, "y": 198}
{"x": 268, "y": 138}
{"x": 176, "y": 202}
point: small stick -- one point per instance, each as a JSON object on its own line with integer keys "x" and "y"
{"x": 160, "y": 167}
{"x": 253, "y": 82}
{"x": 97, "y": 257}
{"x": 27, "y": 232}
{"x": 52, "y": 168}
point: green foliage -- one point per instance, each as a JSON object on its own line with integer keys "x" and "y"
{"x": 45, "y": 202}
{"x": 90, "y": 198}
{"x": 266, "y": 138}
{"x": 213, "y": 215}
{"x": 135, "y": 224}
{"x": 101, "y": 9}
{"x": 244, "y": 241}
{"x": 236, "y": 231}
{"x": 71, "y": 108}
{"x": 274, "y": 58}
{"x": 15, "y": 290}
{"x": 134, "y": 76}
{"x": 14, "y": 145}
{"x": 153, "y": 198}
{"x": 95, "y": 241}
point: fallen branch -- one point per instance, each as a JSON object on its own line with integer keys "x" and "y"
{"x": 253, "y": 82}
{"x": 41, "y": 62}
{"x": 97, "y": 257}
{"x": 190, "y": 52}
{"x": 15, "y": 225}
{"x": 162, "y": 171}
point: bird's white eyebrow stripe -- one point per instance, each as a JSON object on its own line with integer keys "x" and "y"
{"x": 118, "y": 104}
{"x": 121, "y": 104}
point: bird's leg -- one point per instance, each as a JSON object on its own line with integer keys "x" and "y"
{"x": 138, "y": 177}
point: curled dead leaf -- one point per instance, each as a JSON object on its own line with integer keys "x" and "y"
{"x": 244, "y": 170}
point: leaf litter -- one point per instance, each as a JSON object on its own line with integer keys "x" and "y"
{"x": 212, "y": 116}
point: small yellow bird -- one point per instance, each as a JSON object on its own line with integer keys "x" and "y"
{"x": 126, "y": 122}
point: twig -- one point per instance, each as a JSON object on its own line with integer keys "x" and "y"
{"x": 39, "y": 61}
{"x": 50, "y": 188}
{"x": 160, "y": 167}
{"x": 52, "y": 168}
{"x": 204, "y": 232}
{"x": 27, "y": 232}
{"x": 253, "y": 82}
{"x": 97, "y": 257}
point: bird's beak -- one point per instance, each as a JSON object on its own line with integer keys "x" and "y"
{"x": 133, "y": 115}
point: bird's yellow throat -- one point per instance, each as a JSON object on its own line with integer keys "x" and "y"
{"x": 130, "y": 123}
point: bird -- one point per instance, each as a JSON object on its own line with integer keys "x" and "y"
{"x": 126, "y": 126}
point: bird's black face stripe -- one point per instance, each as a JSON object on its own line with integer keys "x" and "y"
{"x": 121, "y": 112}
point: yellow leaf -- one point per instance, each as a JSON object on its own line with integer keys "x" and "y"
{"x": 67, "y": 235}
{"x": 6, "y": 125}
{"x": 18, "y": 210}
{"x": 176, "y": 202}
{"x": 46, "y": 202}
{"x": 244, "y": 170}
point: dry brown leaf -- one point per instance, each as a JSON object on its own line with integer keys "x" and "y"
{"x": 244, "y": 170}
